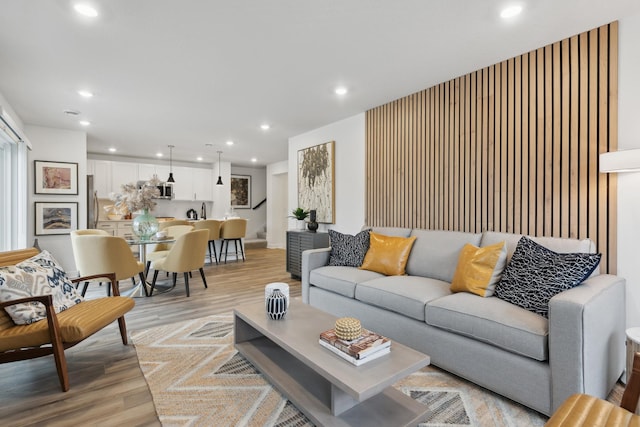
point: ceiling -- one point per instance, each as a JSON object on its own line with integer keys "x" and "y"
{"x": 196, "y": 74}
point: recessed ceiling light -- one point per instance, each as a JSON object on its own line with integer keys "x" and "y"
{"x": 85, "y": 93}
{"x": 265, "y": 126}
{"x": 199, "y": 158}
{"x": 84, "y": 122}
{"x": 510, "y": 11}
{"x": 341, "y": 90}
{"x": 85, "y": 10}
{"x": 253, "y": 159}
{"x": 229, "y": 143}
{"x": 112, "y": 149}
{"x": 159, "y": 154}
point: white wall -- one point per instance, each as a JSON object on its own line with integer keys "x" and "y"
{"x": 348, "y": 135}
{"x": 277, "y": 204}
{"x": 629, "y": 183}
{"x": 59, "y": 146}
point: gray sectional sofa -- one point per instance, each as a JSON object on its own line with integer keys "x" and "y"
{"x": 528, "y": 358}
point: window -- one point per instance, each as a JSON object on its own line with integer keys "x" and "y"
{"x": 13, "y": 191}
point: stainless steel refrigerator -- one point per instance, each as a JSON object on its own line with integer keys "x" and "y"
{"x": 92, "y": 204}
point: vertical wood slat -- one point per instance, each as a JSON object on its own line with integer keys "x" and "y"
{"x": 512, "y": 147}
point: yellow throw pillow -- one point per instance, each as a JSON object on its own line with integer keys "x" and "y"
{"x": 387, "y": 254}
{"x": 479, "y": 269}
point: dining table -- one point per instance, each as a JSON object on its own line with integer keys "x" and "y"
{"x": 141, "y": 289}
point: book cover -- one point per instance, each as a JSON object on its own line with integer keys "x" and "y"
{"x": 353, "y": 360}
{"x": 360, "y": 348}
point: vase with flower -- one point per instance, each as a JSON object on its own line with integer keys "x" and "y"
{"x": 136, "y": 199}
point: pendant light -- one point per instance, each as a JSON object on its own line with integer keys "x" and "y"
{"x": 219, "y": 176}
{"x": 171, "y": 164}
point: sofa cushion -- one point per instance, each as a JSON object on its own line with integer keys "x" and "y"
{"x": 479, "y": 269}
{"x": 435, "y": 253}
{"x": 36, "y": 276}
{"x": 387, "y": 254}
{"x": 535, "y": 274}
{"x": 348, "y": 250}
{"x": 339, "y": 279}
{"x": 406, "y": 295}
{"x": 493, "y": 321}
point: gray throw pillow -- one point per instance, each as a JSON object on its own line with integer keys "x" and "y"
{"x": 348, "y": 250}
{"x": 535, "y": 274}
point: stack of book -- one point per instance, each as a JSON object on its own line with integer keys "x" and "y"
{"x": 366, "y": 347}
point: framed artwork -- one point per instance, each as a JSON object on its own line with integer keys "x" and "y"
{"x": 56, "y": 177}
{"x": 241, "y": 191}
{"x": 316, "y": 181}
{"x": 56, "y": 218}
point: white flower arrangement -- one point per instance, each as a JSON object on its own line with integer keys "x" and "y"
{"x": 135, "y": 199}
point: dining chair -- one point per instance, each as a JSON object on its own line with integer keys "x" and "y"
{"x": 95, "y": 254}
{"x": 86, "y": 232}
{"x": 233, "y": 230}
{"x": 161, "y": 249}
{"x": 214, "y": 234}
{"x": 187, "y": 254}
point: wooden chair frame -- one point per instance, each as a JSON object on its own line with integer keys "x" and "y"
{"x": 56, "y": 345}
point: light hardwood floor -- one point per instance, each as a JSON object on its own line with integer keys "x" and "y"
{"x": 107, "y": 385}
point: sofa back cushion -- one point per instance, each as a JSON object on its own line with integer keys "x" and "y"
{"x": 390, "y": 231}
{"x": 556, "y": 244}
{"x": 435, "y": 252}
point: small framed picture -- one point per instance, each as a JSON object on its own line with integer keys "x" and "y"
{"x": 56, "y": 177}
{"x": 241, "y": 191}
{"x": 56, "y": 218}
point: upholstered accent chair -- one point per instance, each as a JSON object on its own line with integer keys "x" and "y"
{"x": 583, "y": 410}
{"x": 187, "y": 254}
{"x": 214, "y": 234}
{"x": 59, "y": 331}
{"x": 233, "y": 230}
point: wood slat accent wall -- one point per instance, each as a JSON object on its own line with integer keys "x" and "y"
{"x": 512, "y": 147}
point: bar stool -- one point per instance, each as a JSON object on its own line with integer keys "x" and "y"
{"x": 233, "y": 230}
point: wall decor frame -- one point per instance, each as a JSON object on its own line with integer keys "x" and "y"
{"x": 55, "y": 218}
{"x": 316, "y": 181}
{"x": 241, "y": 191}
{"x": 55, "y": 177}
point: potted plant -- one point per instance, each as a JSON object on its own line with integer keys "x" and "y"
{"x": 300, "y": 214}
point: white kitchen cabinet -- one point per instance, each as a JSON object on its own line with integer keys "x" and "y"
{"x": 123, "y": 173}
{"x": 202, "y": 184}
{"x": 102, "y": 177}
{"x": 183, "y": 187}
{"x": 146, "y": 171}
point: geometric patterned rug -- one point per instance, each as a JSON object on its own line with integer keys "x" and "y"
{"x": 197, "y": 378}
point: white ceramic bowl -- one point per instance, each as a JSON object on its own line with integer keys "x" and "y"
{"x": 114, "y": 217}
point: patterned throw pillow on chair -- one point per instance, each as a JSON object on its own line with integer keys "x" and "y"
{"x": 535, "y": 274}
{"x": 36, "y": 276}
{"x": 348, "y": 250}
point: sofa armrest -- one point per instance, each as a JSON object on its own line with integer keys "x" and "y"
{"x": 587, "y": 338}
{"x": 312, "y": 258}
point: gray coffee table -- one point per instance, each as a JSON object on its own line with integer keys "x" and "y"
{"x": 330, "y": 391}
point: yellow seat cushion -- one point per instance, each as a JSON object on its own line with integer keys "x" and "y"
{"x": 584, "y": 410}
{"x": 387, "y": 254}
{"x": 76, "y": 323}
{"x": 479, "y": 269}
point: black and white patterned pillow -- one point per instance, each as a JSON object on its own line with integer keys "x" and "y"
{"x": 348, "y": 250}
{"x": 535, "y": 274}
